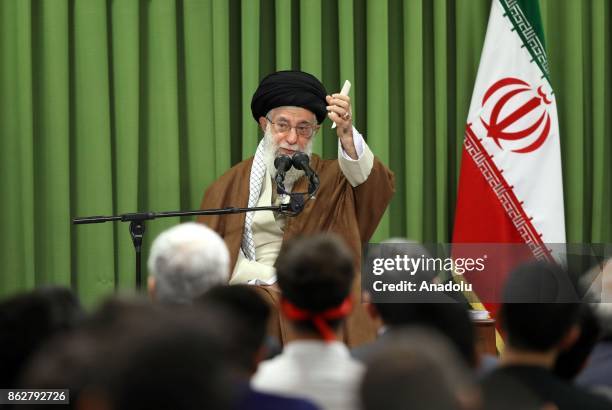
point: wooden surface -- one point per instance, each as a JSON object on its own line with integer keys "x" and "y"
{"x": 485, "y": 336}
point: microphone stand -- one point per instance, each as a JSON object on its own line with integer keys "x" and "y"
{"x": 137, "y": 221}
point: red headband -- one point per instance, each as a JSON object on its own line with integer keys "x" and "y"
{"x": 319, "y": 319}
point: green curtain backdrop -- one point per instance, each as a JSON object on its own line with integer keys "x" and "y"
{"x": 113, "y": 106}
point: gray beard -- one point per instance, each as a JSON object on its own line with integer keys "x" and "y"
{"x": 270, "y": 154}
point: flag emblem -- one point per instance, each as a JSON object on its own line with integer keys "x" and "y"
{"x": 520, "y": 101}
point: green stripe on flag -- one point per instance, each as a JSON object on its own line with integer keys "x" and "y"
{"x": 527, "y": 22}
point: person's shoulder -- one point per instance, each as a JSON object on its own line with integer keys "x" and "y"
{"x": 545, "y": 385}
{"x": 506, "y": 377}
{"x": 597, "y": 372}
{"x": 588, "y": 399}
{"x": 239, "y": 167}
{"x": 276, "y": 361}
{"x": 240, "y": 170}
{"x": 519, "y": 372}
{"x": 348, "y": 365}
{"x": 271, "y": 371}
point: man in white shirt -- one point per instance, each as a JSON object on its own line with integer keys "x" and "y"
{"x": 315, "y": 276}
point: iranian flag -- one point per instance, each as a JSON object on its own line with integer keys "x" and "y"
{"x": 510, "y": 185}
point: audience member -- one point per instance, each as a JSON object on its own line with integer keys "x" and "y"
{"x": 536, "y": 334}
{"x": 172, "y": 364}
{"x": 29, "y": 320}
{"x": 131, "y": 354}
{"x": 136, "y": 356}
{"x": 439, "y": 312}
{"x": 247, "y": 348}
{"x": 450, "y": 319}
{"x": 417, "y": 369}
{"x": 315, "y": 276}
{"x": 185, "y": 261}
{"x": 67, "y": 362}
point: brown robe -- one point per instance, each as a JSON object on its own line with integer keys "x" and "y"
{"x": 350, "y": 212}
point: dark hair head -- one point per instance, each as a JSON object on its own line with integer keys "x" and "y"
{"x": 174, "y": 364}
{"x": 395, "y": 374}
{"x": 315, "y": 273}
{"x": 29, "y": 320}
{"x": 250, "y": 313}
{"x": 66, "y": 362}
{"x": 532, "y": 313}
{"x": 148, "y": 357}
{"x": 539, "y": 282}
{"x": 449, "y": 319}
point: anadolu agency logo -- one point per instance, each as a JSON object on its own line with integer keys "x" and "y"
{"x": 516, "y": 115}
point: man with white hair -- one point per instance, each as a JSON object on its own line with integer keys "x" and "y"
{"x": 185, "y": 261}
{"x": 354, "y": 191}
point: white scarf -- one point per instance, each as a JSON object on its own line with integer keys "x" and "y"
{"x": 266, "y": 152}
{"x": 258, "y": 172}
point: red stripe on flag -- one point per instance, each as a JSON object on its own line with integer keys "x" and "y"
{"x": 488, "y": 211}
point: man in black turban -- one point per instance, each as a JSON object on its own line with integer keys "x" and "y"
{"x": 289, "y": 88}
{"x": 354, "y": 191}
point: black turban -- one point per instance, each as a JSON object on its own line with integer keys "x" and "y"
{"x": 294, "y": 88}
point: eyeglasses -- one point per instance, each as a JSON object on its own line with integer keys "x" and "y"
{"x": 304, "y": 130}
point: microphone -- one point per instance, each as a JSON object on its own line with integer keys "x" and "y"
{"x": 282, "y": 164}
{"x": 301, "y": 161}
